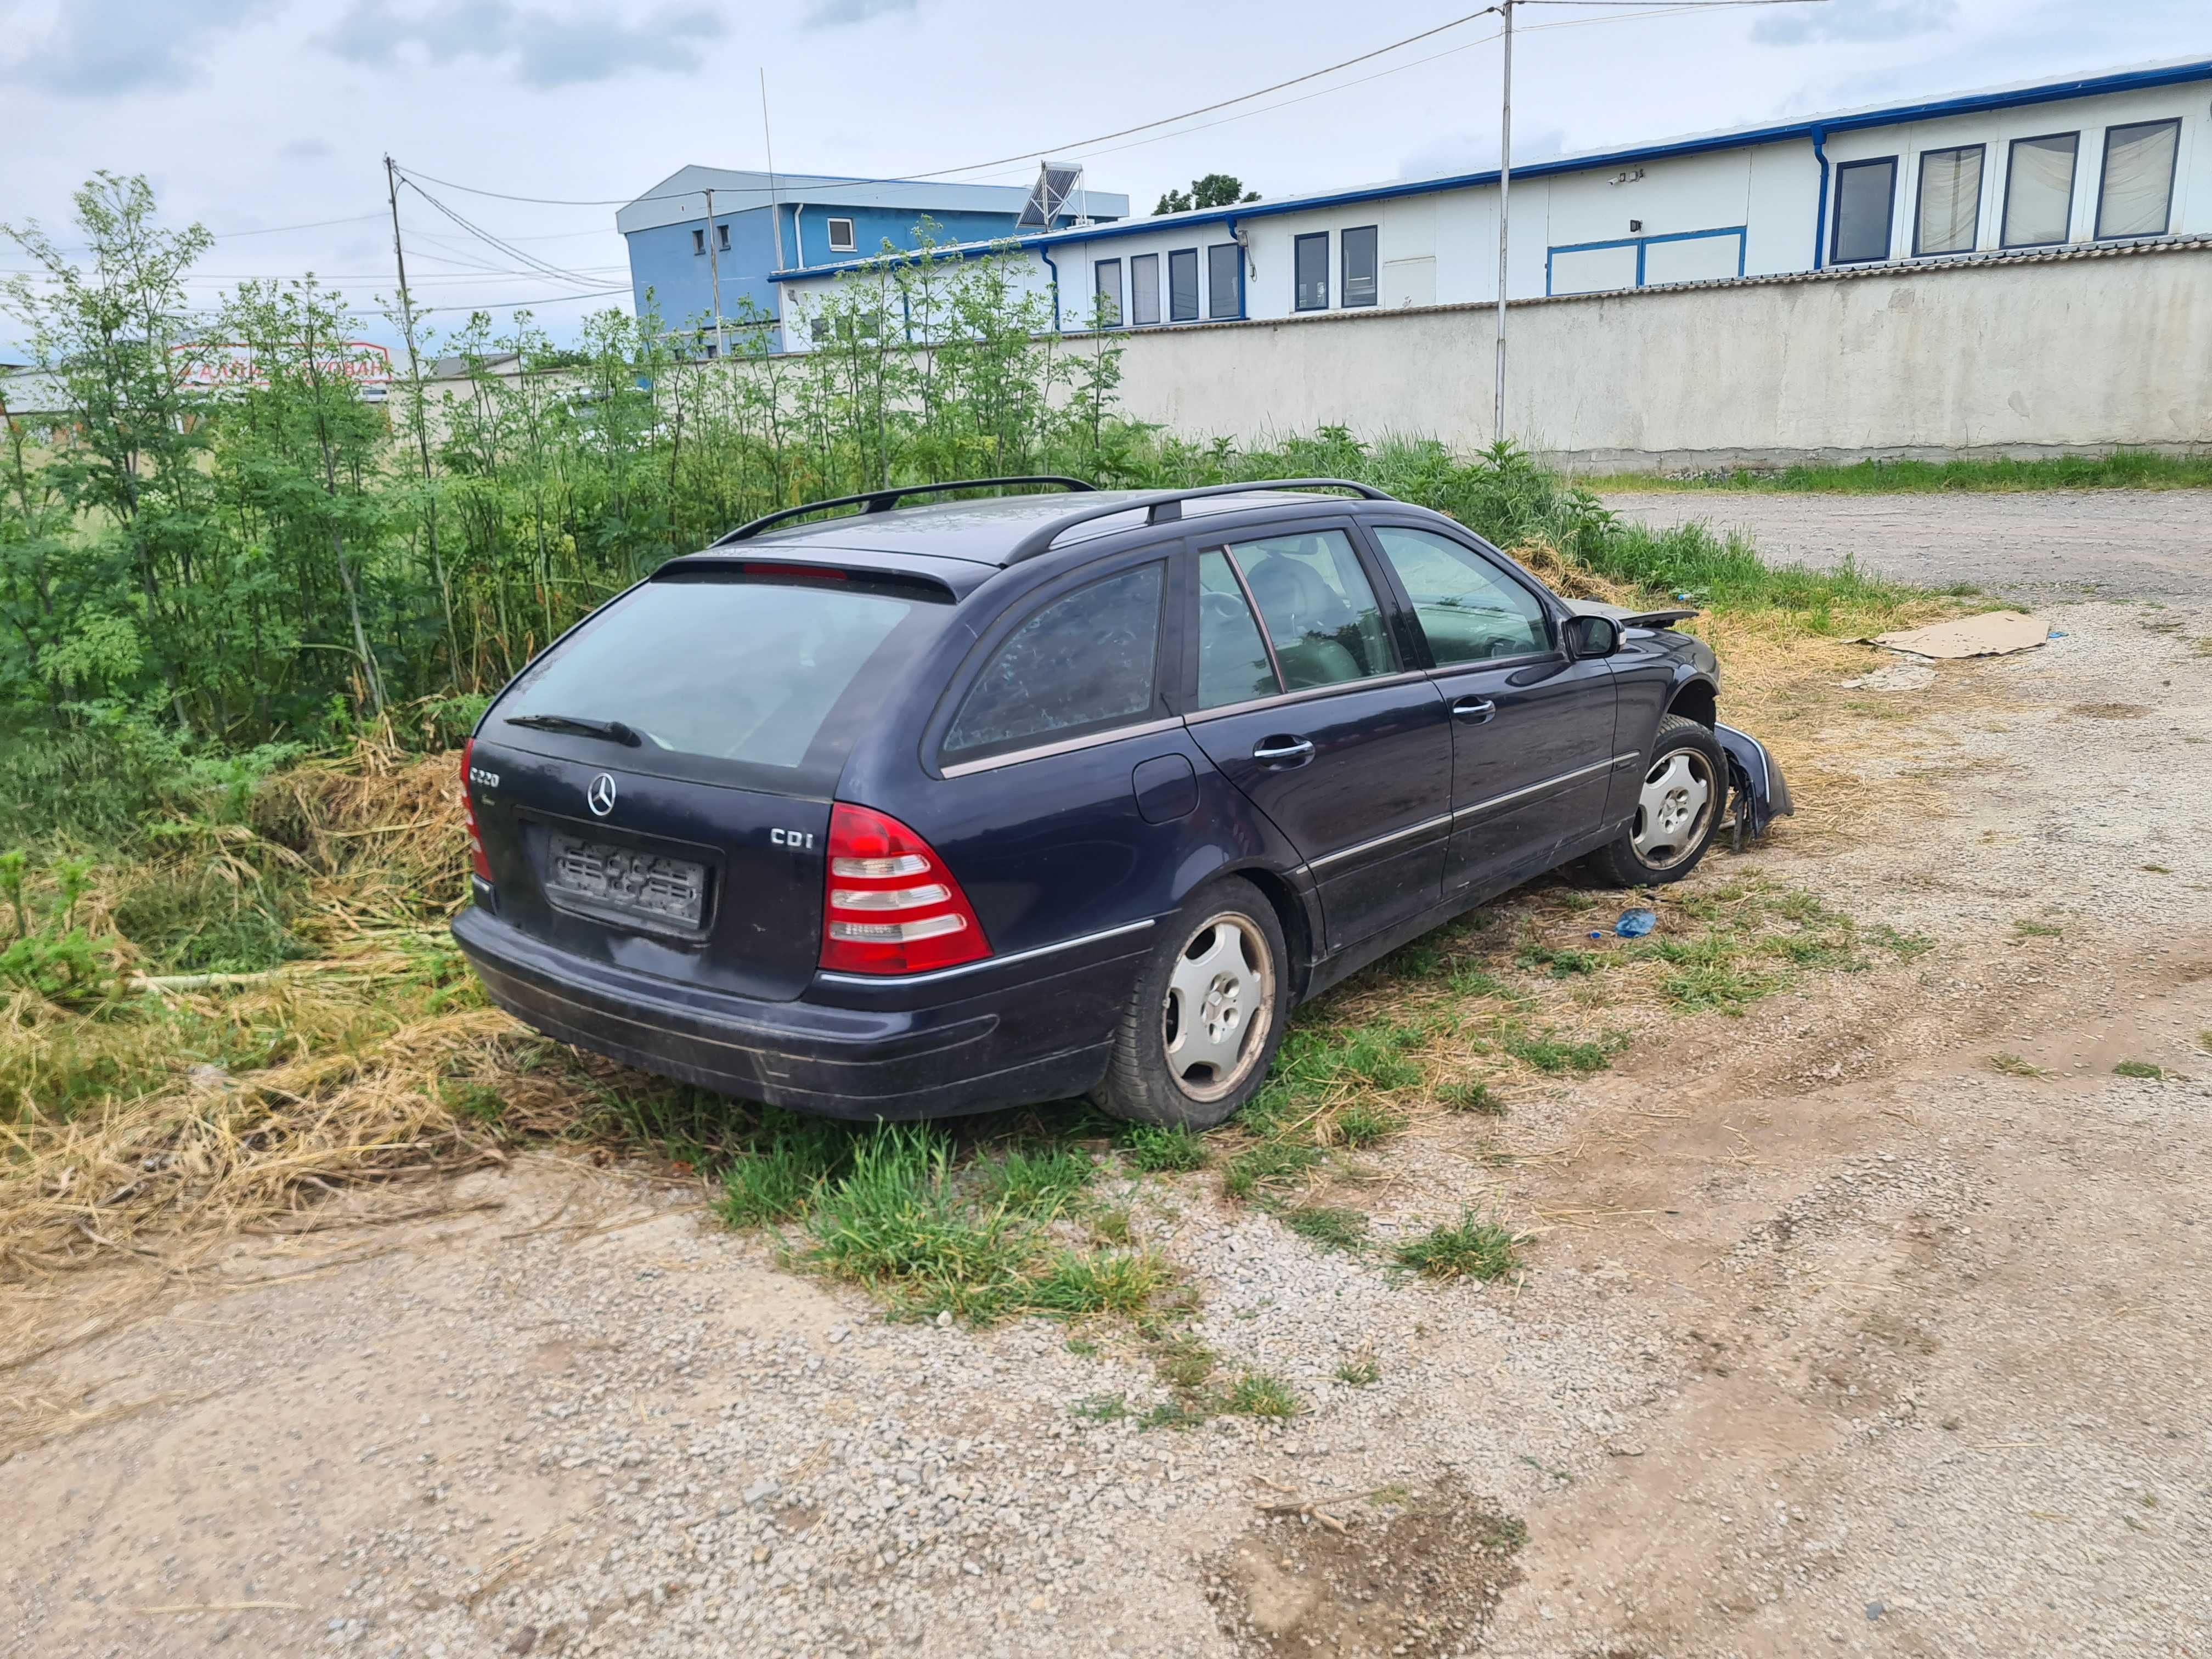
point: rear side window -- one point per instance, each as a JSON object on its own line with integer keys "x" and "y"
{"x": 1084, "y": 663}
{"x": 754, "y": 674}
{"x": 1470, "y": 611}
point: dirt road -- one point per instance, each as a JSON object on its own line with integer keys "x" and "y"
{"x": 2042, "y": 545}
{"x": 1868, "y": 1322}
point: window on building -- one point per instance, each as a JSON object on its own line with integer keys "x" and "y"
{"x": 2136, "y": 195}
{"x": 1311, "y": 263}
{"x": 1225, "y": 280}
{"x": 1144, "y": 289}
{"x": 1362, "y": 267}
{"x": 722, "y": 238}
{"x": 1866, "y": 193}
{"x": 1106, "y": 278}
{"x": 841, "y": 236}
{"x": 699, "y": 239}
{"x": 1950, "y": 208}
{"x": 2040, "y": 189}
{"x": 1182, "y": 285}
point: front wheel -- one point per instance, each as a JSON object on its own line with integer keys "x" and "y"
{"x": 1206, "y": 1015}
{"x": 1678, "y": 810}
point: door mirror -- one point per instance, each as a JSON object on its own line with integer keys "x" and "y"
{"x": 1592, "y": 636}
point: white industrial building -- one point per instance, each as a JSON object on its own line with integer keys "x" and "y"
{"x": 2012, "y": 174}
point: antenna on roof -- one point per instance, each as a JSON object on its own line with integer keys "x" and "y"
{"x": 1056, "y": 183}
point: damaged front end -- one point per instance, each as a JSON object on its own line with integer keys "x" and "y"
{"x": 1757, "y": 793}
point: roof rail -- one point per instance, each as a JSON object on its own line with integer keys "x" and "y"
{"x": 882, "y": 500}
{"x": 1165, "y": 506}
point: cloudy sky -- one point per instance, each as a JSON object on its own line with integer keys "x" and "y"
{"x": 251, "y": 116}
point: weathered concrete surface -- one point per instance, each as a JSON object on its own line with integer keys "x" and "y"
{"x": 2115, "y": 543}
{"x": 2074, "y": 352}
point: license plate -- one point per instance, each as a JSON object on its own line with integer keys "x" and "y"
{"x": 592, "y": 874}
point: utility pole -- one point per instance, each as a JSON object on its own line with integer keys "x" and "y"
{"x": 714, "y": 274}
{"x": 775, "y": 206}
{"x": 422, "y": 420}
{"x": 1504, "y": 182}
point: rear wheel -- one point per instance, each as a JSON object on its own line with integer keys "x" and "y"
{"x": 1206, "y": 1014}
{"x": 1678, "y": 809}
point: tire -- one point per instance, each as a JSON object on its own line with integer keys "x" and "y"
{"x": 1222, "y": 958}
{"x": 1682, "y": 796}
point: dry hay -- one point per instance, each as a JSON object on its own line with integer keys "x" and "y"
{"x": 1569, "y": 578}
{"x": 378, "y": 831}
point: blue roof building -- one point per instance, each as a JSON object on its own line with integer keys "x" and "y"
{"x": 704, "y": 229}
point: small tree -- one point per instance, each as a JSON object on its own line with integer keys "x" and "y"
{"x": 1215, "y": 190}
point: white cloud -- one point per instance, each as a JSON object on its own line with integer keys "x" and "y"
{"x": 842, "y": 14}
{"x": 101, "y": 48}
{"x": 1855, "y": 21}
{"x": 594, "y": 42}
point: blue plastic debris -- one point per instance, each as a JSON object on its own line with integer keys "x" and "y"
{"x": 1635, "y": 924}
{"x": 2056, "y": 634}
{"x": 1597, "y": 935}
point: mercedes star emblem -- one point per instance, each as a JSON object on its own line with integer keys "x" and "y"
{"x": 600, "y": 797}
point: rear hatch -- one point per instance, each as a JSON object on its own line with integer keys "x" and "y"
{"x": 654, "y": 792}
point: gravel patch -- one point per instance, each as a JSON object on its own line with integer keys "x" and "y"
{"x": 2119, "y": 543}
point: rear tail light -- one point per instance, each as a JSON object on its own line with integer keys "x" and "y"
{"x": 478, "y": 861}
{"x": 892, "y": 907}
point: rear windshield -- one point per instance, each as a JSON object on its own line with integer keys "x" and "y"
{"x": 760, "y": 683}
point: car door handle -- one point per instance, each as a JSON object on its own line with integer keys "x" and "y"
{"x": 1283, "y": 750}
{"x": 1473, "y": 709}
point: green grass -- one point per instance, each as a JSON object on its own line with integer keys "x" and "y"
{"x": 1257, "y": 1393}
{"x": 2029, "y": 929}
{"x": 886, "y": 1208}
{"x": 1474, "y": 1096}
{"x": 1267, "y": 1165}
{"x": 1360, "y": 1373}
{"x": 1151, "y": 1149}
{"x": 1364, "y": 1124}
{"x": 1332, "y": 1226}
{"x": 1557, "y": 1055}
{"x": 2121, "y": 469}
{"x": 1467, "y": 1248}
{"x": 2138, "y": 1068}
{"x": 1564, "y": 964}
{"x": 1184, "y": 1362}
{"x": 1039, "y": 1184}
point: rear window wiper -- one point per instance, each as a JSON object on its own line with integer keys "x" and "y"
{"x": 613, "y": 731}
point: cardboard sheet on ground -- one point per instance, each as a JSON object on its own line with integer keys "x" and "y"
{"x": 1993, "y": 634}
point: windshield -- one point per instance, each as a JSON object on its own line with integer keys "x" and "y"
{"x": 756, "y": 674}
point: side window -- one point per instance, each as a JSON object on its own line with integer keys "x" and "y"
{"x": 1233, "y": 663}
{"x": 1309, "y": 263}
{"x": 1361, "y": 267}
{"x": 1108, "y": 312}
{"x": 1950, "y": 200}
{"x": 2136, "y": 198}
{"x": 1182, "y": 285}
{"x": 1144, "y": 289}
{"x": 1320, "y": 613}
{"x": 1082, "y": 663}
{"x": 1469, "y": 610}
{"x": 1225, "y": 280}
{"x": 2039, "y": 200}
{"x": 1865, "y": 193}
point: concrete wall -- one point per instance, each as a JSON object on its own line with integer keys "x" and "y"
{"x": 2023, "y": 355}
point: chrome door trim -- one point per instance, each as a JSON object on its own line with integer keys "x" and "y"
{"x": 1371, "y": 844}
{"x": 1066, "y": 746}
{"x": 1307, "y": 694}
{"x": 1538, "y": 788}
{"x": 936, "y": 974}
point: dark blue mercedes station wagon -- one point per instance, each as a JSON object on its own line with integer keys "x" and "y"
{"x": 934, "y": 809}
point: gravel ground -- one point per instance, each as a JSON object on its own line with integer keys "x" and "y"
{"x": 1834, "y": 1338}
{"x": 2040, "y": 545}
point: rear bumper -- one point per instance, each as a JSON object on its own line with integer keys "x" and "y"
{"x": 1027, "y": 1032}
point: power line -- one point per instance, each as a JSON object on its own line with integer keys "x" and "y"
{"x": 553, "y": 270}
{"x": 1207, "y": 109}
